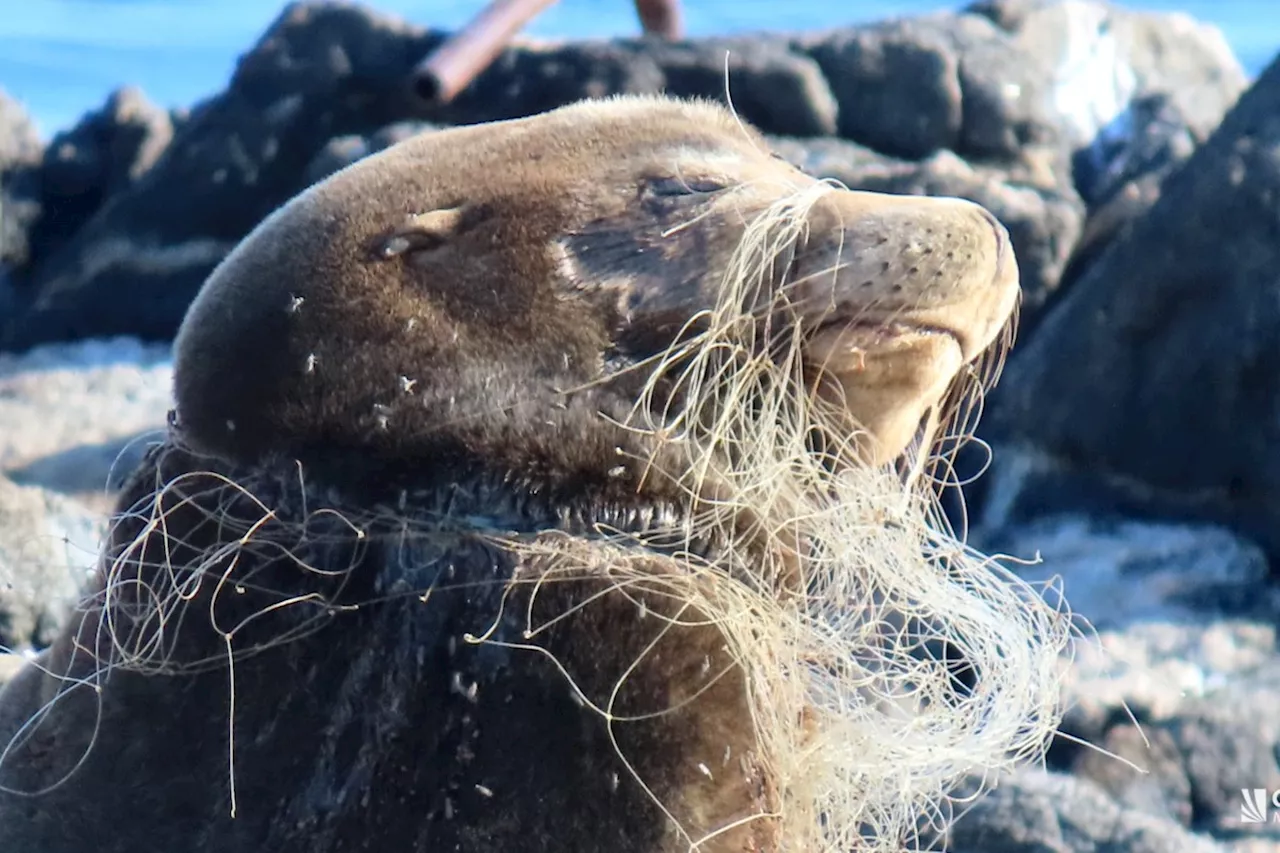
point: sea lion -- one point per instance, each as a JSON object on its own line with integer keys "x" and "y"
{"x": 554, "y": 484}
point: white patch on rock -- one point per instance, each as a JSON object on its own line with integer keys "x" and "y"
{"x": 1100, "y": 57}
{"x": 92, "y": 393}
{"x": 1116, "y": 573}
{"x": 1092, "y": 81}
{"x": 48, "y": 545}
{"x": 1155, "y": 667}
{"x": 66, "y": 413}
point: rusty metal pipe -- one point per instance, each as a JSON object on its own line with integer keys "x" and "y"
{"x": 448, "y": 70}
{"x": 661, "y": 18}
{"x": 451, "y": 67}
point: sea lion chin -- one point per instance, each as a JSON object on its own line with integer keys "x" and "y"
{"x": 537, "y": 486}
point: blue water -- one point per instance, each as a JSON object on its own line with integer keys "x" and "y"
{"x": 62, "y": 57}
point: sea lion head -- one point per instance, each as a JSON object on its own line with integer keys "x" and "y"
{"x": 474, "y": 275}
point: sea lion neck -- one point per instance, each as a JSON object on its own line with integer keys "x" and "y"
{"x": 495, "y": 481}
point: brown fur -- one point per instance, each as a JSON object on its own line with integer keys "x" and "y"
{"x": 453, "y": 332}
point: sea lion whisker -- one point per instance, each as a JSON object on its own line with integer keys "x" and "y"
{"x": 686, "y": 224}
{"x": 750, "y": 138}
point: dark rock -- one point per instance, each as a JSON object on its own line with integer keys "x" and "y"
{"x": 9, "y": 301}
{"x": 1133, "y": 93}
{"x": 105, "y": 153}
{"x": 1148, "y": 140}
{"x": 338, "y": 153}
{"x": 20, "y": 152}
{"x": 108, "y": 149}
{"x": 1038, "y": 812}
{"x": 1005, "y": 89}
{"x": 1043, "y": 223}
{"x": 342, "y": 55}
{"x": 342, "y": 151}
{"x": 1007, "y": 14}
{"x": 1141, "y": 767}
{"x": 1005, "y": 77}
{"x": 1119, "y": 176}
{"x": 522, "y": 81}
{"x": 321, "y": 71}
{"x": 844, "y": 161}
{"x": 1153, "y": 380}
{"x": 770, "y": 84}
{"x": 325, "y": 71}
{"x": 1104, "y": 225}
{"x": 898, "y": 87}
{"x": 914, "y": 86}
{"x": 1225, "y": 746}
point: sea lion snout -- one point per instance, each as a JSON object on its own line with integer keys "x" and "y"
{"x": 938, "y": 264}
{"x": 900, "y": 293}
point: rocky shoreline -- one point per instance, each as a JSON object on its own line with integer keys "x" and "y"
{"x": 1134, "y": 433}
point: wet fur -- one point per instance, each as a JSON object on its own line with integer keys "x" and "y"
{"x": 418, "y": 568}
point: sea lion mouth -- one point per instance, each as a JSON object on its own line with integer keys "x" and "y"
{"x": 875, "y": 276}
{"x": 887, "y": 330}
{"x": 843, "y": 345}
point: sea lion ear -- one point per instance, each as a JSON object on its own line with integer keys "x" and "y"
{"x": 423, "y": 232}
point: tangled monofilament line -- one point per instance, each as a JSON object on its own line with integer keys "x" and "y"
{"x": 837, "y": 598}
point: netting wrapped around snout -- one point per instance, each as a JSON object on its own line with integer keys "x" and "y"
{"x": 886, "y": 660}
